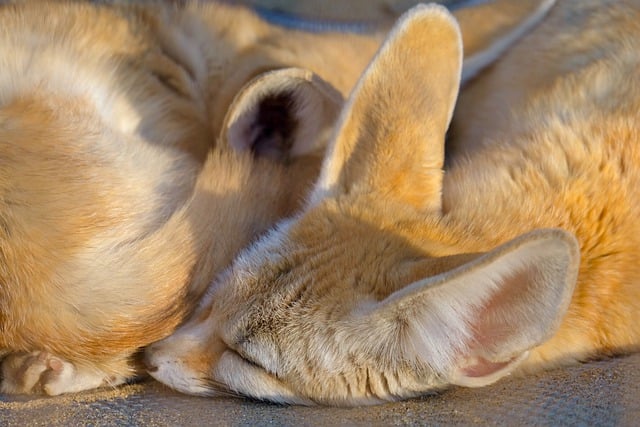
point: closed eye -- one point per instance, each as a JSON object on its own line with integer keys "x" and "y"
{"x": 237, "y": 348}
{"x": 249, "y": 379}
{"x": 238, "y": 352}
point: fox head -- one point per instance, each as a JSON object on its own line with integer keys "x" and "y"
{"x": 367, "y": 295}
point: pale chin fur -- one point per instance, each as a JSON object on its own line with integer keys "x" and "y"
{"x": 166, "y": 361}
{"x": 185, "y": 382}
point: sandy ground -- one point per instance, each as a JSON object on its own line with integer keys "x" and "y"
{"x": 605, "y": 393}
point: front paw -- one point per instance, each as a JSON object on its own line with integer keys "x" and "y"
{"x": 40, "y": 372}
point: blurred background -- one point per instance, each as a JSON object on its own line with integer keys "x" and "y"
{"x": 343, "y": 10}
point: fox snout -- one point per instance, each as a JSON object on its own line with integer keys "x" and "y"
{"x": 185, "y": 360}
{"x": 148, "y": 362}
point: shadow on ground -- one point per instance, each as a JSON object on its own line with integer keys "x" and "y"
{"x": 605, "y": 393}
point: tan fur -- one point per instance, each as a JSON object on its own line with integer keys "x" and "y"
{"x": 117, "y": 206}
{"x": 577, "y": 99}
{"x": 405, "y": 274}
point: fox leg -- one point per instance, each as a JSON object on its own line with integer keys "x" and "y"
{"x": 41, "y": 372}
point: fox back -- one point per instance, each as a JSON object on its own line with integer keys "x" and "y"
{"x": 405, "y": 273}
{"x": 562, "y": 151}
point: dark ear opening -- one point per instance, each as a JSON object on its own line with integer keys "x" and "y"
{"x": 272, "y": 133}
{"x": 282, "y": 114}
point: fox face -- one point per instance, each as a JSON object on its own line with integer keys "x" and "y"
{"x": 300, "y": 328}
{"x": 369, "y": 294}
{"x": 295, "y": 320}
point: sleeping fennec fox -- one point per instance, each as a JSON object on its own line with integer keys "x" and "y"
{"x": 401, "y": 276}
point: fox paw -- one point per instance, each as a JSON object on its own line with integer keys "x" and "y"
{"x": 40, "y": 372}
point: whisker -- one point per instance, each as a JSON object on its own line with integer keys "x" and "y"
{"x": 218, "y": 388}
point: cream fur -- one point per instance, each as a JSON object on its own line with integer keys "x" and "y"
{"x": 120, "y": 194}
{"x": 117, "y": 206}
{"x": 403, "y": 274}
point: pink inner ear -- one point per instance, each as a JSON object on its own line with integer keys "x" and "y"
{"x": 501, "y": 326}
{"x": 504, "y": 317}
{"x": 481, "y": 367}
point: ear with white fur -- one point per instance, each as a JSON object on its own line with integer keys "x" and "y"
{"x": 390, "y": 137}
{"x": 282, "y": 113}
{"x": 474, "y": 324}
{"x": 491, "y": 28}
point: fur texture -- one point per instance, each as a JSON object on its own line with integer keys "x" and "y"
{"x": 118, "y": 199}
{"x": 140, "y": 149}
{"x": 405, "y": 274}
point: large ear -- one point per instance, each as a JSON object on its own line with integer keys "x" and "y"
{"x": 390, "y": 137}
{"x": 474, "y": 324}
{"x": 490, "y": 28}
{"x": 282, "y": 113}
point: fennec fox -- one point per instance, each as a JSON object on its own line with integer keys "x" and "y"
{"x": 400, "y": 277}
{"x": 117, "y": 207}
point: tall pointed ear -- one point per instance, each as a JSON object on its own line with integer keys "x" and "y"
{"x": 281, "y": 114}
{"x": 490, "y": 28}
{"x": 476, "y": 323}
{"x": 390, "y": 137}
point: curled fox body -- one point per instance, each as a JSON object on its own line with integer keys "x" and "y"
{"x": 404, "y": 274}
{"x": 122, "y": 190}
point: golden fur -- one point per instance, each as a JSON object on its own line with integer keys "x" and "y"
{"x": 117, "y": 206}
{"x": 405, "y": 274}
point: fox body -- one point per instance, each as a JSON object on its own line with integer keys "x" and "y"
{"x": 404, "y": 273}
{"x": 121, "y": 192}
